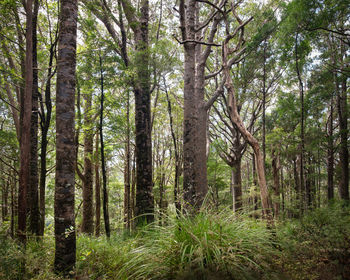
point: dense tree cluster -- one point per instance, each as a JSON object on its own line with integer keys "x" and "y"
{"x": 154, "y": 108}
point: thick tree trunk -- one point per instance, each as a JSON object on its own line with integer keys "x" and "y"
{"x": 144, "y": 182}
{"x": 195, "y": 185}
{"x": 26, "y": 111}
{"x": 97, "y": 189}
{"x": 33, "y": 199}
{"x": 88, "y": 212}
{"x": 65, "y": 232}
{"x": 237, "y": 185}
{"x": 144, "y": 208}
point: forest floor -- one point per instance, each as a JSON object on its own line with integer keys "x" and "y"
{"x": 210, "y": 246}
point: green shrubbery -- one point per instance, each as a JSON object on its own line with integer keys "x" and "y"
{"x": 317, "y": 246}
{"x": 208, "y": 246}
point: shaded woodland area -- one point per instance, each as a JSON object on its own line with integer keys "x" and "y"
{"x": 188, "y": 139}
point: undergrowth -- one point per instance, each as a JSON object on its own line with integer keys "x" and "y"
{"x": 208, "y": 246}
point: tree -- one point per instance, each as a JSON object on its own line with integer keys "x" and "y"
{"x": 195, "y": 185}
{"x": 25, "y": 119}
{"x": 65, "y": 238}
{"x": 142, "y": 90}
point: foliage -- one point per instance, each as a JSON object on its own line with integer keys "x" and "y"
{"x": 318, "y": 245}
{"x": 207, "y": 246}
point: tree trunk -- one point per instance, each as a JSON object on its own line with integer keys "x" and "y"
{"x": 144, "y": 208}
{"x": 88, "y": 212}
{"x": 195, "y": 184}
{"x": 26, "y": 112}
{"x": 33, "y": 199}
{"x": 177, "y": 200}
{"x": 45, "y": 121}
{"x": 103, "y": 163}
{"x": 97, "y": 189}
{"x": 343, "y": 151}
{"x": 264, "y": 104}
{"x": 302, "y": 118}
{"x": 236, "y": 119}
{"x": 133, "y": 191}
{"x": 65, "y": 253}
{"x": 330, "y": 155}
{"x": 13, "y": 202}
{"x": 237, "y": 185}
{"x": 4, "y": 198}
{"x": 144, "y": 195}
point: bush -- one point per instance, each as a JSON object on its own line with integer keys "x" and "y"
{"x": 318, "y": 245}
{"x": 207, "y": 246}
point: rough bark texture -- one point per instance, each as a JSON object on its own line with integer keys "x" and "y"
{"x": 144, "y": 195}
{"x": 195, "y": 184}
{"x": 144, "y": 208}
{"x": 33, "y": 198}
{"x": 65, "y": 233}
{"x": 237, "y": 185}
{"x": 88, "y": 211}
{"x": 26, "y": 111}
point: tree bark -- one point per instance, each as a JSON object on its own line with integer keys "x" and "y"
{"x": 144, "y": 208}
{"x": 65, "y": 232}
{"x": 237, "y": 185}
{"x": 45, "y": 121}
{"x": 33, "y": 198}
{"x": 26, "y": 111}
{"x": 343, "y": 129}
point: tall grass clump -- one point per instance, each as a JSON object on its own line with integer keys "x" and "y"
{"x": 206, "y": 246}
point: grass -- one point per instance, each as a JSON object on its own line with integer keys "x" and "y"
{"x": 208, "y": 246}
